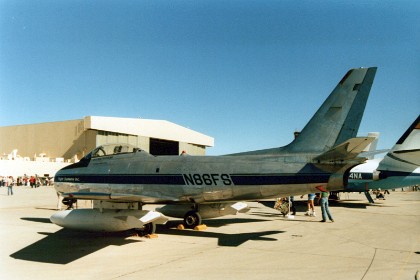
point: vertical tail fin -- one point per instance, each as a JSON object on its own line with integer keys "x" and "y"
{"x": 405, "y": 155}
{"x": 339, "y": 117}
{"x": 372, "y": 146}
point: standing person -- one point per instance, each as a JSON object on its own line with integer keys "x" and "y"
{"x": 380, "y": 195}
{"x": 324, "y": 207}
{"x": 10, "y": 184}
{"x": 32, "y": 181}
{"x": 292, "y": 205}
{"x": 311, "y": 205}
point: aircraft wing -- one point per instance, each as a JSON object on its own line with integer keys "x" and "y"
{"x": 120, "y": 197}
{"x": 348, "y": 150}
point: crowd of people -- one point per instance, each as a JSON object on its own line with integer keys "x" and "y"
{"x": 30, "y": 181}
{"x": 286, "y": 205}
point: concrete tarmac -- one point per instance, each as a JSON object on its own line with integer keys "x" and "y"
{"x": 369, "y": 242}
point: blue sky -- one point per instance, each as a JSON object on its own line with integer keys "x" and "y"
{"x": 248, "y": 73}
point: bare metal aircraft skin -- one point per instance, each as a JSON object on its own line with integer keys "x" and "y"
{"x": 120, "y": 178}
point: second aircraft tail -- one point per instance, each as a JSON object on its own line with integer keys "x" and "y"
{"x": 405, "y": 155}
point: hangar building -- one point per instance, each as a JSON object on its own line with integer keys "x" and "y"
{"x": 71, "y": 140}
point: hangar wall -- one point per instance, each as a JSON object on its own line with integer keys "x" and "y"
{"x": 53, "y": 139}
{"x": 105, "y": 137}
{"x": 73, "y": 139}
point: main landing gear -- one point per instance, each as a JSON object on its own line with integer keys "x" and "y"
{"x": 69, "y": 202}
{"x": 192, "y": 219}
{"x": 147, "y": 229}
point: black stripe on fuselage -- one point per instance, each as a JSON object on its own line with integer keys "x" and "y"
{"x": 178, "y": 179}
{"x": 278, "y": 179}
{"x": 123, "y": 179}
{"x": 386, "y": 174}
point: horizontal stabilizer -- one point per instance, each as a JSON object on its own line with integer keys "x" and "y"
{"x": 347, "y": 150}
{"x": 409, "y": 156}
{"x": 370, "y": 154}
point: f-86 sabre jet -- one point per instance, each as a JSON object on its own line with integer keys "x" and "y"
{"x": 121, "y": 179}
{"x": 399, "y": 168}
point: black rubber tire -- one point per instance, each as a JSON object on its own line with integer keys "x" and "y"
{"x": 149, "y": 228}
{"x": 192, "y": 219}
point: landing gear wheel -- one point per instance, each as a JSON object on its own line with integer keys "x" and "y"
{"x": 192, "y": 219}
{"x": 68, "y": 202}
{"x": 147, "y": 229}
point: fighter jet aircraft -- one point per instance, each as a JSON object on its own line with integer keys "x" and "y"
{"x": 399, "y": 168}
{"x": 120, "y": 179}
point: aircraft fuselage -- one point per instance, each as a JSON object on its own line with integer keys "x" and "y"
{"x": 182, "y": 179}
{"x": 367, "y": 177}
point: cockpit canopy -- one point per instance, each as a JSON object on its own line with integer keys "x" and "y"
{"x": 113, "y": 149}
{"x": 107, "y": 150}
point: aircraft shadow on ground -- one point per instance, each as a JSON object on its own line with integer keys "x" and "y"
{"x": 346, "y": 203}
{"x": 300, "y": 207}
{"x": 230, "y": 240}
{"x": 353, "y": 204}
{"x": 37, "y": 220}
{"x": 46, "y": 208}
{"x": 65, "y": 246}
{"x": 224, "y": 222}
